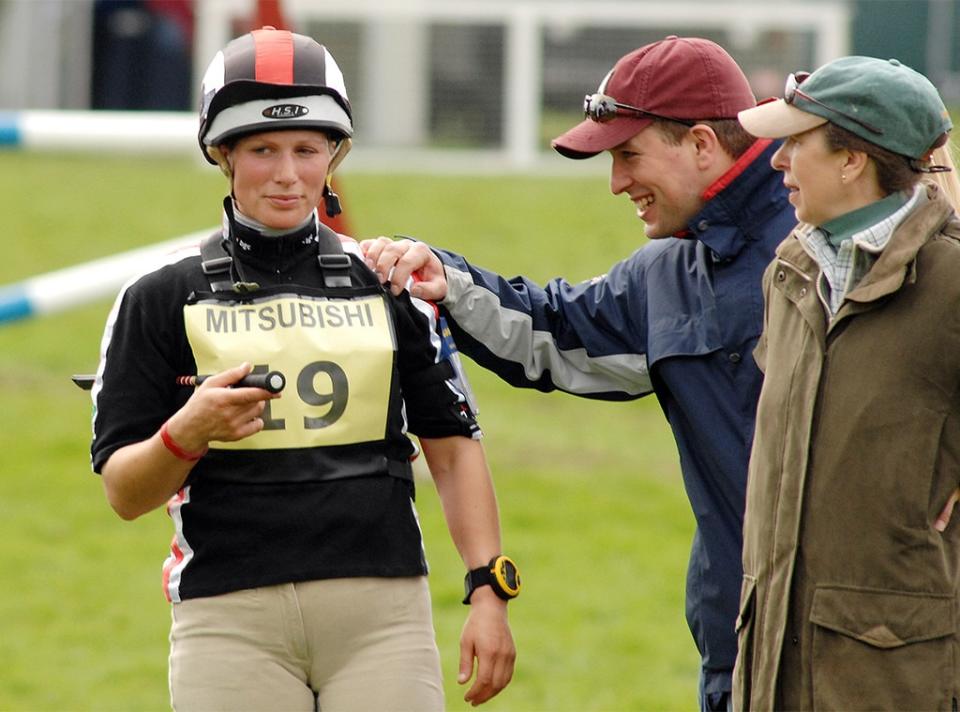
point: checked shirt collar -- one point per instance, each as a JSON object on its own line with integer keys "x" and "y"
{"x": 842, "y": 268}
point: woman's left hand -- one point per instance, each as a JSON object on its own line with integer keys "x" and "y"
{"x": 486, "y": 637}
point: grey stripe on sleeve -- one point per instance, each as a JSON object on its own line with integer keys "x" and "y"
{"x": 509, "y": 335}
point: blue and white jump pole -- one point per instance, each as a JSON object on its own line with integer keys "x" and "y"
{"x": 105, "y": 131}
{"x": 84, "y": 283}
{"x": 109, "y": 131}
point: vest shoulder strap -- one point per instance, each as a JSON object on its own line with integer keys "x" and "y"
{"x": 334, "y": 263}
{"x": 216, "y": 263}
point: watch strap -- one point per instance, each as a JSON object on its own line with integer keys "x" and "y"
{"x": 500, "y": 574}
{"x": 474, "y": 579}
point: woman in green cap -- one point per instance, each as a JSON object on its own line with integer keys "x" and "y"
{"x": 851, "y": 559}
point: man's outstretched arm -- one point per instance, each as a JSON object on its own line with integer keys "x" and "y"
{"x": 586, "y": 339}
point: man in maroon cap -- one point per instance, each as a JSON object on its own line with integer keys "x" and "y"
{"x": 679, "y": 318}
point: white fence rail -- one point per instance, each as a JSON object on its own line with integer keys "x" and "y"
{"x": 75, "y": 286}
{"x": 422, "y": 73}
{"x": 388, "y": 28}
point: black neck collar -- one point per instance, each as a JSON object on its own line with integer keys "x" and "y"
{"x": 253, "y": 244}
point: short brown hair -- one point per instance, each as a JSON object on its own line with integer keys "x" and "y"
{"x": 894, "y": 172}
{"x": 730, "y": 134}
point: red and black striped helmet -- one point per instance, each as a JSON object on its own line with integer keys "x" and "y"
{"x": 271, "y": 79}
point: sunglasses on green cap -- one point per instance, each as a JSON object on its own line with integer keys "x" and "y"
{"x": 882, "y": 101}
{"x": 792, "y": 90}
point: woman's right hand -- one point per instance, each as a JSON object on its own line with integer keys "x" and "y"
{"x": 217, "y": 412}
{"x": 142, "y": 476}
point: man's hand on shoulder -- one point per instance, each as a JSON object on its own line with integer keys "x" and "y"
{"x": 397, "y": 262}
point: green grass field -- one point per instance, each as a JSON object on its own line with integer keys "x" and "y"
{"x": 590, "y": 494}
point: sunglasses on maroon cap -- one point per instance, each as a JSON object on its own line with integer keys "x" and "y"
{"x": 602, "y": 108}
{"x": 792, "y": 90}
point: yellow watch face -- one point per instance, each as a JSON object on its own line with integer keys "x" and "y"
{"x": 506, "y": 575}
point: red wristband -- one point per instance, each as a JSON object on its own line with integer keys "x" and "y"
{"x": 176, "y": 450}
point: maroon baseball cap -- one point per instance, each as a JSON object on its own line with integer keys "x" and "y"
{"x": 685, "y": 78}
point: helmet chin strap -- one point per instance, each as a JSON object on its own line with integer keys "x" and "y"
{"x": 339, "y": 153}
{"x": 331, "y": 201}
{"x": 217, "y": 155}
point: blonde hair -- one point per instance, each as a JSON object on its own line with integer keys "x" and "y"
{"x": 947, "y": 181}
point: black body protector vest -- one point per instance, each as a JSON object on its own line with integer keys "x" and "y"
{"x": 341, "y": 413}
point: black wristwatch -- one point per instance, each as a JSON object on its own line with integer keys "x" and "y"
{"x": 500, "y": 574}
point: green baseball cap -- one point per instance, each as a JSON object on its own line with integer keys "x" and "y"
{"x": 882, "y": 101}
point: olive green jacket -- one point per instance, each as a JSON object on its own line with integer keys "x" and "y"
{"x": 849, "y": 597}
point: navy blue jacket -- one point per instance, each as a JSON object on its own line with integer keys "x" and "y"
{"x": 678, "y": 318}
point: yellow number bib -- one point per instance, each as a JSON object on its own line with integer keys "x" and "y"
{"x": 336, "y": 354}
